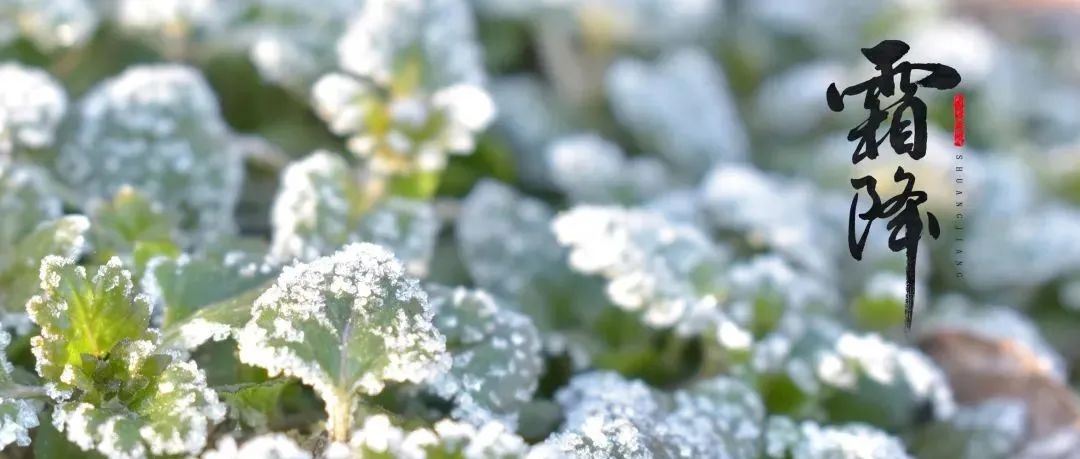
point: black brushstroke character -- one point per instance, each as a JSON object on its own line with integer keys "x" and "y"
{"x": 905, "y": 222}
{"x": 883, "y": 56}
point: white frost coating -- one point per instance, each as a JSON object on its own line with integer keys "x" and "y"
{"x": 198, "y": 331}
{"x": 496, "y": 356}
{"x": 607, "y": 416}
{"x": 269, "y": 446}
{"x": 808, "y": 440}
{"x": 17, "y": 416}
{"x": 378, "y": 437}
{"x": 767, "y": 281}
{"x": 416, "y": 66}
{"x": 679, "y": 107}
{"x": 668, "y": 271}
{"x": 592, "y": 170}
{"x": 156, "y": 128}
{"x": 31, "y": 106}
{"x": 320, "y": 208}
{"x": 342, "y": 311}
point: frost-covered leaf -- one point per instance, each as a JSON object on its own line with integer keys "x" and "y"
{"x": 495, "y": 352}
{"x": 156, "y": 128}
{"x": 991, "y": 430}
{"x": 766, "y": 288}
{"x": 28, "y": 197}
{"x": 64, "y": 237}
{"x": 17, "y": 415}
{"x": 31, "y": 106}
{"x": 269, "y": 446}
{"x": 608, "y": 416}
{"x": 49, "y": 24}
{"x": 592, "y": 170}
{"x": 669, "y": 272}
{"x": 810, "y": 365}
{"x": 808, "y": 440}
{"x": 205, "y": 297}
{"x": 114, "y": 393}
{"x": 379, "y": 438}
{"x": 679, "y": 107}
{"x": 322, "y": 206}
{"x": 419, "y": 95}
{"x": 507, "y": 245}
{"x": 345, "y": 324}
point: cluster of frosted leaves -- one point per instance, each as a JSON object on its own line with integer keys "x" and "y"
{"x": 608, "y": 416}
{"x": 132, "y": 226}
{"x": 113, "y": 391}
{"x": 345, "y": 324}
{"x": 811, "y": 365}
{"x": 156, "y": 128}
{"x": 204, "y": 297}
{"x": 268, "y": 446}
{"x": 785, "y": 438}
{"x": 508, "y": 248}
{"x": 994, "y": 429}
{"x": 785, "y": 106}
{"x": 669, "y": 272}
{"x": 31, "y": 228}
{"x": 679, "y": 107}
{"x": 770, "y": 212}
{"x": 378, "y": 437}
{"x": 495, "y": 352}
{"x": 31, "y": 106}
{"x": 17, "y": 416}
{"x": 589, "y": 169}
{"x": 322, "y": 207}
{"x": 411, "y": 89}
{"x": 49, "y": 24}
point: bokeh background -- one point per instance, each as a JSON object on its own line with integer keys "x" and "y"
{"x": 703, "y": 114}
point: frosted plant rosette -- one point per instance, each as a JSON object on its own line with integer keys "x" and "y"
{"x": 32, "y": 104}
{"x": 410, "y": 89}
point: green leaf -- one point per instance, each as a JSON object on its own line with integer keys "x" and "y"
{"x": 345, "y": 324}
{"x": 255, "y": 405}
{"x": 496, "y": 356}
{"x": 214, "y": 322}
{"x": 64, "y": 237}
{"x": 82, "y": 316}
{"x": 131, "y": 224}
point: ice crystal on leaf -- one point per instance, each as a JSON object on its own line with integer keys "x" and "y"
{"x": 113, "y": 391}
{"x": 323, "y": 205}
{"x": 495, "y": 352}
{"x": 156, "y": 128}
{"x": 411, "y": 91}
{"x": 589, "y": 169}
{"x": 608, "y": 416}
{"x": 31, "y": 106}
{"x": 679, "y": 107}
{"x": 17, "y": 416}
{"x": 379, "y": 438}
{"x": 667, "y": 271}
{"x": 345, "y": 324}
{"x": 808, "y": 440}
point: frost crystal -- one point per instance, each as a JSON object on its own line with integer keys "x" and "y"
{"x": 158, "y": 129}
{"x": 413, "y": 91}
{"x": 496, "y": 356}
{"x": 378, "y": 438}
{"x": 668, "y": 271}
{"x": 608, "y": 416}
{"x": 808, "y": 440}
{"x": 592, "y": 170}
{"x": 17, "y": 416}
{"x": 346, "y": 324}
{"x": 31, "y": 106}
{"x": 680, "y": 108}
{"x": 269, "y": 446}
{"x": 321, "y": 207}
